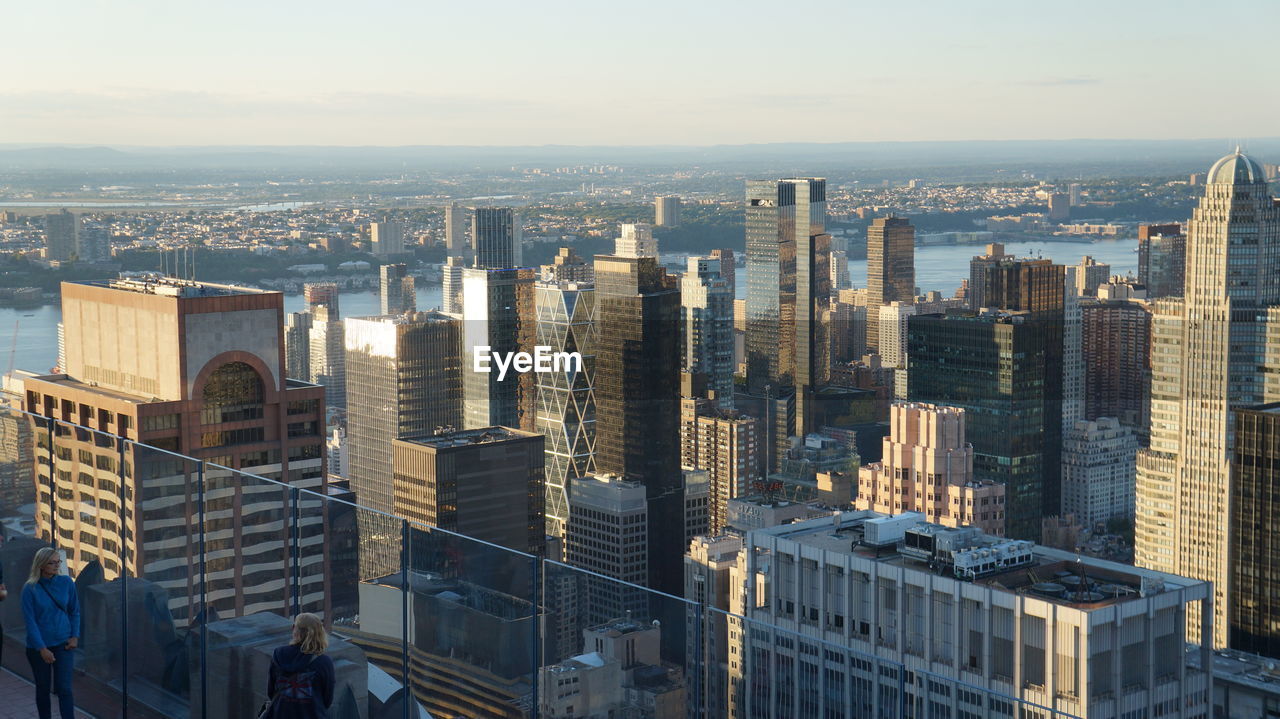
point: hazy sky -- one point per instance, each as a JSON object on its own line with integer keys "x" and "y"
{"x": 495, "y": 72}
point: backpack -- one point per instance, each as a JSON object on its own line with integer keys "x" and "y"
{"x": 291, "y": 688}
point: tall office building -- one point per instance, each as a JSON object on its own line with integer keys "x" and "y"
{"x": 724, "y": 443}
{"x": 387, "y": 238}
{"x": 891, "y": 268}
{"x": 1073, "y": 366}
{"x": 636, "y": 240}
{"x": 62, "y": 235}
{"x": 666, "y": 211}
{"x": 637, "y": 391}
{"x": 1255, "y": 550}
{"x": 566, "y": 409}
{"x": 706, "y": 307}
{"x": 788, "y": 290}
{"x": 318, "y": 294}
{"x": 456, "y": 221}
{"x": 297, "y": 346}
{"x": 840, "y": 279}
{"x": 498, "y": 313}
{"x": 1059, "y": 206}
{"x": 979, "y": 266}
{"x": 893, "y": 332}
{"x": 1073, "y": 193}
{"x": 404, "y": 375}
{"x": 1098, "y": 471}
{"x": 1017, "y": 284}
{"x": 451, "y": 285}
{"x": 483, "y": 483}
{"x": 706, "y": 583}
{"x": 1116, "y": 351}
{"x": 825, "y": 617}
{"x": 1000, "y": 367}
{"x": 1162, "y": 259}
{"x": 926, "y": 466}
{"x": 728, "y": 268}
{"x": 1089, "y": 274}
{"x": 1206, "y": 354}
{"x": 197, "y": 369}
{"x": 328, "y": 359}
{"x": 396, "y": 289}
{"x": 610, "y": 533}
{"x": 496, "y": 237}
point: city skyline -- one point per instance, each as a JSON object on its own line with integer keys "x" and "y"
{"x": 559, "y": 70}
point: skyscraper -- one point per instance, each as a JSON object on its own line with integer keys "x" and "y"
{"x": 566, "y": 409}
{"x": 1162, "y": 259}
{"x": 404, "y": 374}
{"x": 496, "y": 237}
{"x": 725, "y": 443}
{"x": 636, "y": 241}
{"x": 728, "y": 268}
{"x": 840, "y": 279}
{"x": 455, "y": 230}
{"x": 1089, "y": 274}
{"x": 328, "y": 360}
{"x": 387, "y": 238}
{"x": 396, "y": 289}
{"x": 610, "y": 533}
{"x": 62, "y": 235}
{"x": 1255, "y": 531}
{"x": 891, "y": 268}
{"x": 297, "y": 346}
{"x": 498, "y": 313}
{"x": 998, "y": 367}
{"x": 706, "y": 306}
{"x": 666, "y": 211}
{"x": 484, "y": 483}
{"x": 319, "y": 294}
{"x": 788, "y": 290}
{"x": 197, "y": 369}
{"x": 637, "y": 398}
{"x": 1116, "y": 352}
{"x": 451, "y": 285}
{"x": 1098, "y": 471}
{"x": 926, "y": 466}
{"x": 1206, "y": 354}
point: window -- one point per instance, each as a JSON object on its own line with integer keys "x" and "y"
{"x": 233, "y": 393}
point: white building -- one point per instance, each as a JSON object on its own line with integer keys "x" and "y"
{"x": 636, "y": 241}
{"x": 706, "y": 308}
{"x": 874, "y": 615}
{"x": 1098, "y": 470}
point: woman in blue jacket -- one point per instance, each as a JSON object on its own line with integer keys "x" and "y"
{"x": 52, "y": 612}
{"x": 300, "y": 685}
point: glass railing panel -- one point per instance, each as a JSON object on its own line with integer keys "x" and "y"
{"x": 609, "y": 643}
{"x": 472, "y": 618}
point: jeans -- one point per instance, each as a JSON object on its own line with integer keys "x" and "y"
{"x": 43, "y": 675}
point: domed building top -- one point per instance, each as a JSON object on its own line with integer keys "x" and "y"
{"x": 1236, "y": 169}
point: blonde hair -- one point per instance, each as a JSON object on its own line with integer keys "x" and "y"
{"x": 312, "y": 638}
{"x": 43, "y": 555}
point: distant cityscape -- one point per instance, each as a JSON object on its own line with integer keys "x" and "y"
{"x": 713, "y": 471}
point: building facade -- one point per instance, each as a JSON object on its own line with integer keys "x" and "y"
{"x": 1098, "y": 471}
{"x": 1253, "y": 619}
{"x": 891, "y": 267}
{"x": 1206, "y": 352}
{"x": 725, "y": 444}
{"x": 498, "y": 313}
{"x": 396, "y": 290}
{"x": 706, "y": 308}
{"x": 497, "y": 237}
{"x": 926, "y": 466}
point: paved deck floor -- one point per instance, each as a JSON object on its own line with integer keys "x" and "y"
{"x": 18, "y": 698}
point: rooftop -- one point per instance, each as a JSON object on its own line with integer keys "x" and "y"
{"x": 446, "y": 437}
{"x": 1236, "y": 169}
{"x": 158, "y": 284}
{"x": 967, "y": 554}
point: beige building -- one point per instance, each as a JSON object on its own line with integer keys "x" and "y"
{"x": 1206, "y": 351}
{"x": 724, "y": 443}
{"x": 927, "y": 467}
{"x": 876, "y": 615}
{"x": 195, "y": 369}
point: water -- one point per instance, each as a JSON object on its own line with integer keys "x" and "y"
{"x": 940, "y": 268}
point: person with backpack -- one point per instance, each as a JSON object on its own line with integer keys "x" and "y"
{"x": 301, "y": 682}
{"x": 52, "y": 613}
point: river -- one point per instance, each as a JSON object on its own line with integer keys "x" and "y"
{"x": 940, "y": 267}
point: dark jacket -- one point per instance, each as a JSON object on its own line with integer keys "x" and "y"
{"x": 52, "y": 611}
{"x": 305, "y": 681}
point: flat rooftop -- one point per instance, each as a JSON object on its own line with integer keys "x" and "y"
{"x": 446, "y": 437}
{"x": 1051, "y": 575}
{"x": 157, "y": 284}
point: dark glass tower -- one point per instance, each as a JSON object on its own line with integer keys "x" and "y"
{"x": 496, "y": 237}
{"x": 788, "y": 287}
{"x": 996, "y": 365}
{"x": 1253, "y": 616}
{"x": 637, "y": 393}
{"x": 891, "y": 268}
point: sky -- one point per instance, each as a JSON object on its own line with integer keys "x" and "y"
{"x": 609, "y": 72}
